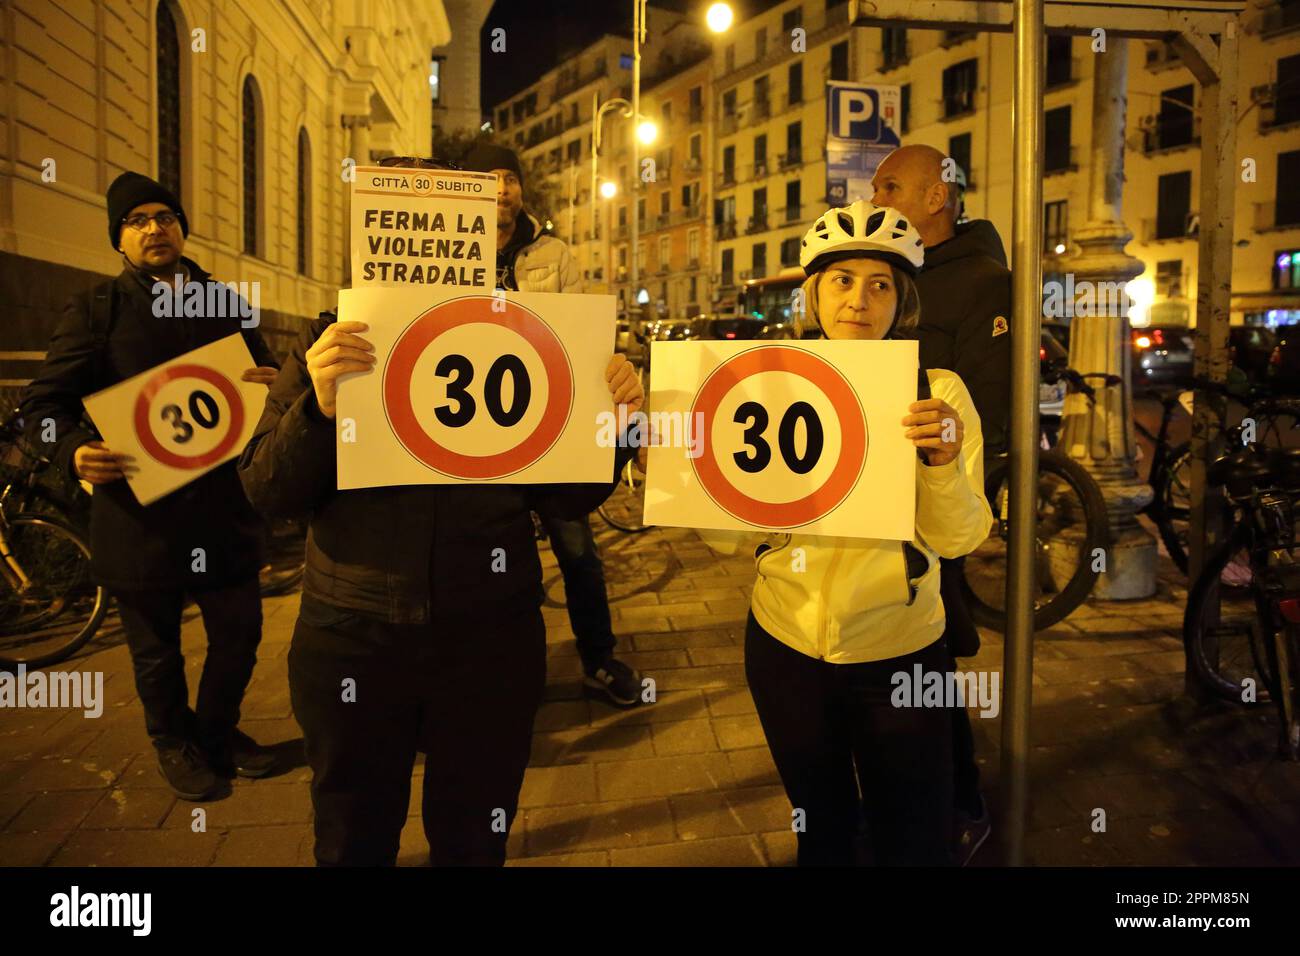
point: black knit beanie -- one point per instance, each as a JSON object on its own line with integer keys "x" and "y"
{"x": 130, "y": 190}
{"x": 486, "y": 157}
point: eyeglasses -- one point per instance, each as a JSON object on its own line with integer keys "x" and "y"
{"x": 140, "y": 222}
{"x": 417, "y": 162}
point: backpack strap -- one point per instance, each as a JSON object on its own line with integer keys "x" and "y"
{"x": 922, "y": 393}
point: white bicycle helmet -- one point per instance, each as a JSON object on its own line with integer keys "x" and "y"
{"x": 861, "y": 230}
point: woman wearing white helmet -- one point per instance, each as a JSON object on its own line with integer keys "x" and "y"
{"x": 834, "y": 620}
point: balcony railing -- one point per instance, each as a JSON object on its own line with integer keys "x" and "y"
{"x": 662, "y": 220}
{"x": 1279, "y": 19}
{"x": 1059, "y": 161}
{"x": 729, "y": 124}
{"x": 727, "y": 177}
{"x": 1162, "y": 56}
{"x": 725, "y": 230}
{"x": 762, "y": 108}
{"x": 695, "y": 115}
{"x": 760, "y": 169}
{"x": 756, "y": 223}
{"x": 692, "y": 164}
{"x": 693, "y": 263}
{"x": 620, "y": 231}
{"x": 793, "y": 99}
{"x": 690, "y": 213}
{"x": 792, "y": 213}
{"x": 788, "y": 160}
{"x": 727, "y": 280}
{"x": 1161, "y": 132}
{"x": 1279, "y": 214}
{"x": 1160, "y": 229}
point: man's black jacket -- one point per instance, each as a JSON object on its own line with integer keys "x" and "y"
{"x": 408, "y": 554}
{"x": 136, "y": 546}
{"x": 965, "y": 292}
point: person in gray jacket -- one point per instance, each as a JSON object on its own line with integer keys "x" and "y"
{"x": 530, "y": 260}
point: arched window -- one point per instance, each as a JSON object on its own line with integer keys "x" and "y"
{"x": 169, "y": 100}
{"x": 304, "y": 202}
{"x": 251, "y": 170}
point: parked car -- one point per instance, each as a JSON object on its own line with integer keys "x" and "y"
{"x": 1162, "y": 354}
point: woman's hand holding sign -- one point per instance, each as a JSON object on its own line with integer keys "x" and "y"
{"x": 338, "y": 351}
{"x": 624, "y": 383}
{"x": 936, "y": 429}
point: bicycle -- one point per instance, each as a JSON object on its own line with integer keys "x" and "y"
{"x": 1255, "y": 631}
{"x": 1070, "y": 529}
{"x": 49, "y": 604}
{"x": 1276, "y": 422}
{"x": 624, "y": 509}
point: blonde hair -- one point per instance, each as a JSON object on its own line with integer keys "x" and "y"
{"x": 906, "y": 315}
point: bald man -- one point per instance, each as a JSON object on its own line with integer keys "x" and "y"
{"x": 965, "y": 286}
{"x": 965, "y": 292}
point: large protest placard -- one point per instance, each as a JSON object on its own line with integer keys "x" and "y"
{"x": 434, "y": 228}
{"x": 181, "y": 419}
{"x": 803, "y": 436}
{"x": 505, "y": 388}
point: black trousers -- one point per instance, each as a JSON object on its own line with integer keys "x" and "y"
{"x": 369, "y": 695}
{"x": 232, "y": 618}
{"x": 844, "y": 752}
{"x": 584, "y": 587}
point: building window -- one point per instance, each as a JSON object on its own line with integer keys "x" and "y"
{"x": 697, "y": 148}
{"x": 1055, "y": 224}
{"x": 1169, "y": 278}
{"x": 1175, "y": 123}
{"x": 574, "y": 151}
{"x": 905, "y": 107}
{"x": 1059, "y": 66}
{"x": 693, "y": 249}
{"x": 1286, "y": 93}
{"x": 793, "y": 144}
{"x": 760, "y": 207}
{"x": 1286, "y": 269}
{"x": 729, "y": 58}
{"x": 959, "y": 151}
{"x": 252, "y": 185}
{"x": 840, "y": 61}
{"x": 435, "y": 80}
{"x": 169, "y": 101}
{"x": 791, "y": 19}
{"x": 959, "y": 88}
{"x": 665, "y": 200}
{"x": 1173, "y": 205}
{"x": 503, "y": 119}
{"x": 760, "y": 151}
{"x": 640, "y": 213}
{"x": 697, "y": 104}
{"x": 663, "y": 253}
{"x": 729, "y": 165}
{"x": 790, "y": 251}
{"x": 1056, "y": 140}
{"x": 760, "y": 260}
{"x": 760, "y": 43}
{"x": 1286, "y": 201}
{"x": 893, "y": 47}
{"x": 304, "y": 203}
{"x": 666, "y": 110}
{"x": 793, "y": 205}
{"x": 795, "y": 81}
{"x": 728, "y": 267}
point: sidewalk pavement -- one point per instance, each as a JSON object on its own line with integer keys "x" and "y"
{"x": 688, "y": 779}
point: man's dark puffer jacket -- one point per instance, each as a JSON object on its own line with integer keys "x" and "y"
{"x": 410, "y": 554}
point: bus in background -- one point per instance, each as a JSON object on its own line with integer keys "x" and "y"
{"x": 764, "y": 310}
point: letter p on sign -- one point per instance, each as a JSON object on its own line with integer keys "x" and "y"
{"x": 856, "y": 106}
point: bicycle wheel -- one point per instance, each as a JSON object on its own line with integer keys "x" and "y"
{"x": 60, "y": 607}
{"x": 1229, "y": 656}
{"x": 1172, "y": 500}
{"x": 1070, "y": 527}
{"x": 624, "y": 510}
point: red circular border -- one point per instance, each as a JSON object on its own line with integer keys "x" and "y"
{"x": 145, "y": 434}
{"x": 419, "y": 335}
{"x": 853, "y": 441}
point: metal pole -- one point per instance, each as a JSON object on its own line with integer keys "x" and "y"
{"x": 638, "y": 25}
{"x": 595, "y": 145}
{"x": 1026, "y": 272}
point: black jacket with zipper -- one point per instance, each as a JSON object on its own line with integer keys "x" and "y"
{"x": 965, "y": 288}
{"x": 134, "y": 546}
{"x": 404, "y": 554}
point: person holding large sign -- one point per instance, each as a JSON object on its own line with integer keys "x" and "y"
{"x": 202, "y": 540}
{"x": 420, "y": 627}
{"x": 833, "y": 621}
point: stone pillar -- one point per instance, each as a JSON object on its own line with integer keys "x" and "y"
{"x": 358, "y": 127}
{"x": 1101, "y": 438}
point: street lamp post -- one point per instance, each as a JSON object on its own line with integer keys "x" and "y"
{"x": 598, "y": 112}
{"x": 638, "y": 37}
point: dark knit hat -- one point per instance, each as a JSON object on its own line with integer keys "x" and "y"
{"x": 130, "y": 190}
{"x": 486, "y": 157}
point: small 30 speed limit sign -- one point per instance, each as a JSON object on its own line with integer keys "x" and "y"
{"x": 476, "y": 388}
{"x": 801, "y": 436}
{"x": 181, "y": 419}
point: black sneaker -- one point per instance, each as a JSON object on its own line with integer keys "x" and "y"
{"x": 243, "y": 756}
{"x": 616, "y": 681}
{"x": 186, "y": 770}
{"x": 971, "y": 832}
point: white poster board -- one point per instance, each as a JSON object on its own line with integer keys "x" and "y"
{"x": 804, "y": 435}
{"x": 434, "y": 229}
{"x": 181, "y": 419}
{"x": 498, "y": 389}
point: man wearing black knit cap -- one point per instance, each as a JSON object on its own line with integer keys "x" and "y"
{"x": 145, "y": 555}
{"x": 530, "y": 261}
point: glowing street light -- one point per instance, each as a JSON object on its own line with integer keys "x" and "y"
{"x": 647, "y": 131}
{"x": 719, "y": 17}
{"x": 608, "y": 190}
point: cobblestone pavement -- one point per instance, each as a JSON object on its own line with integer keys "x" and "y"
{"x": 688, "y": 779}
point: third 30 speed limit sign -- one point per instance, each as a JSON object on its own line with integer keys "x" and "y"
{"x": 783, "y": 436}
{"x": 786, "y": 437}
